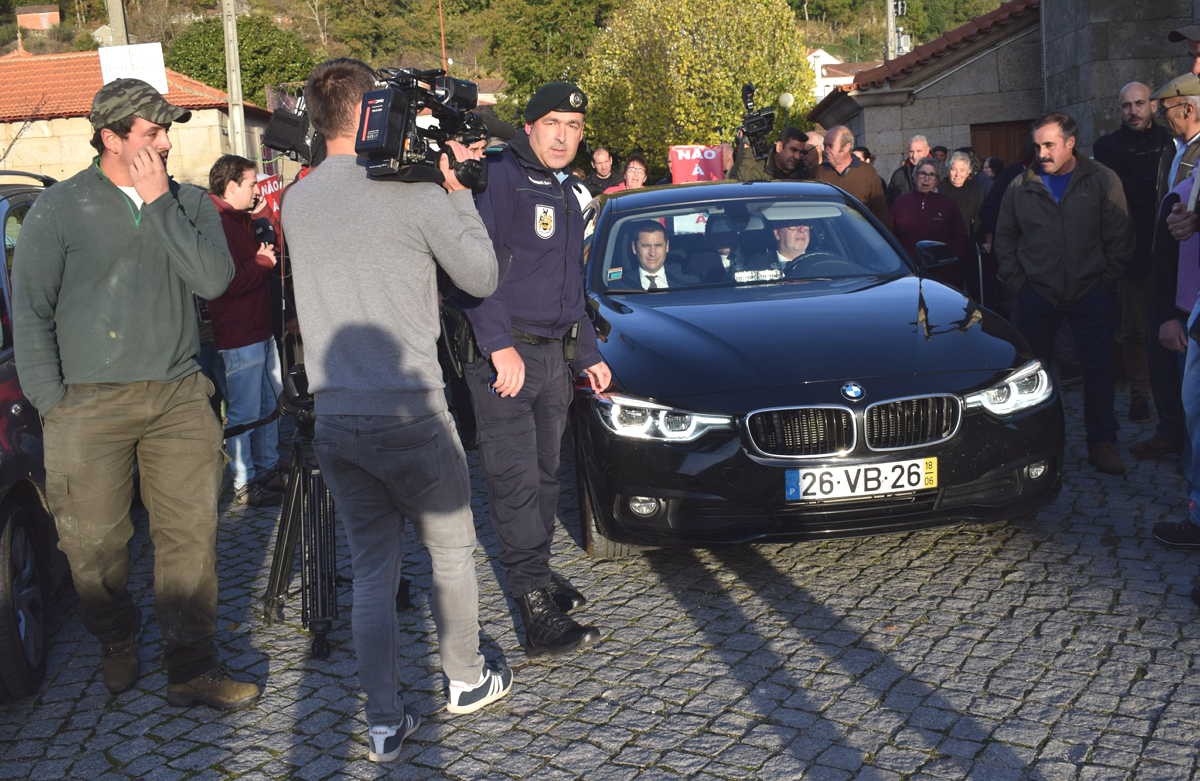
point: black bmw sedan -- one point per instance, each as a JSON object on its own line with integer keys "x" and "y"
{"x": 783, "y": 370}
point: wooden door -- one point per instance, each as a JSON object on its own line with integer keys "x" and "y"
{"x": 1005, "y": 140}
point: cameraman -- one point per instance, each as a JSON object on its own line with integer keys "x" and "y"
{"x": 365, "y": 257}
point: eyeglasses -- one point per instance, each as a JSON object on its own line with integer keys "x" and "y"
{"x": 926, "y": 173}
{"x": 1164, "y": 109}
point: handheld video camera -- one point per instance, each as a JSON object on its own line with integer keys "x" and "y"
{"x": 394, "y": 144}
{"x": 756, "y": 123}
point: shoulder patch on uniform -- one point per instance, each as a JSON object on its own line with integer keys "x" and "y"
{"x": 543, "y": 221}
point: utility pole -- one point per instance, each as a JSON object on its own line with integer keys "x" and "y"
{"x": 889, "y": 52}
{"x": 233, "y": 77}
{"x": 116, "y": 21}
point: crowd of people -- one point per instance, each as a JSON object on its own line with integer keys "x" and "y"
{"x": 120, "y": 268}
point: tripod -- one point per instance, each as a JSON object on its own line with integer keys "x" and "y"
{"x": 307, "y": 519}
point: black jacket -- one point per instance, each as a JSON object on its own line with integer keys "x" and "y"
{"x": 537, "y": 228}
{"x": 1135, "y": 157}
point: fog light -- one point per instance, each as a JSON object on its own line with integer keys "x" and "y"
{"x": 1036, "y": 470}
{"x": 644, "y": 506}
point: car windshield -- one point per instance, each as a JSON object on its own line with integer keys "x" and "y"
{"x": 736, "y": 243}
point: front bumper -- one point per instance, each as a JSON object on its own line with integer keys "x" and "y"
{"x": 714, "y": 491}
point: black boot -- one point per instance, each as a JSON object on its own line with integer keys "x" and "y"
{"x": 547, "y": 629}
{"x": 565, "y": 595}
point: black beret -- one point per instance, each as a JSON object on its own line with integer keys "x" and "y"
{"x": 555, "y": 96}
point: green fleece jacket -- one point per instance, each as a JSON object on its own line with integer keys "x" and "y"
{"x": 102, "y": 291}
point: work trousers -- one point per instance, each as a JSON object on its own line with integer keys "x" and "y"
{"x": 519, "y": 443}
{"x": 92, "y": 438}
{"x": 1092, "y": 320}
{"x": 382, "y": 470}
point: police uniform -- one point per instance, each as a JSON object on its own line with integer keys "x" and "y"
{"x": 536, "y": 224}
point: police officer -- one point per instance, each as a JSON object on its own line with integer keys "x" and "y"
{"x": 533, "y": 337}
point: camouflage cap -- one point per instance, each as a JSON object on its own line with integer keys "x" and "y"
{"x": 123, "y": 98}
{"x": 1185, "y": 85}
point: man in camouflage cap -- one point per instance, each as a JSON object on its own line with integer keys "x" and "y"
{"x": 106, "y": 339}
{"x": 125, "y": 98}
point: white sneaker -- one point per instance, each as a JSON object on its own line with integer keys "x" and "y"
{"x": 385, "y": 741}
{"x": 470, "y": 697}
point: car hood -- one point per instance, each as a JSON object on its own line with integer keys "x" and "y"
{"x": 737, "y": 348}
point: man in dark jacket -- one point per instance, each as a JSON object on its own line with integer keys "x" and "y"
{"x": 534, "y": 337}
{"x": 902, "y": 180}
{"x": 1133, "y": 151}
{"x": 1063, "y": 240}
{"x": 602, "y": 176}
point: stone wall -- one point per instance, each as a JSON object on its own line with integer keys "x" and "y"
{"x": 1001, "y": 83}
{"x": 1095, "y": 47}
{"x": 59, "y": 147}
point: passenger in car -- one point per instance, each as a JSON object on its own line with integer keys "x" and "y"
{"x": 651, "y": 247}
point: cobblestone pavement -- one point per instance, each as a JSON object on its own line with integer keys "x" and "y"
{"x": 1058, "y": 648}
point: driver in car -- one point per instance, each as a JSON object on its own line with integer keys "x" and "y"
{"x": 792, "y": 239}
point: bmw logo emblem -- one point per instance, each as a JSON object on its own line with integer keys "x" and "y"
{"x": 853, "y": 391}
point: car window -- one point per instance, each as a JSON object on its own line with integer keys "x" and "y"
{"x": 734, "y": 243}
{"x": 13, "y": 220}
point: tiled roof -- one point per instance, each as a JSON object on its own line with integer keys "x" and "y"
{"x": 849, "y": 68}
{"x": 940, "y": 47}
{"x": 52, "y": 86}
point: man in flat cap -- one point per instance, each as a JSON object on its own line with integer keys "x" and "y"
{"x": 533, "y": 337}
{"x": 106, "y": 342}
{"x": 1175, "y": 293}
{"x": 1179, "y": 111}
{"x": 1191, "y": 34}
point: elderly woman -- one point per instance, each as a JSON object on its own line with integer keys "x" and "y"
{"x": 965, "y": 190}
{"x": 634, "y": 176}
{"x": 926, "y": 214}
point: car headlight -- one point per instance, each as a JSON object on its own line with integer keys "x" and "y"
{"x": 635, "y": 418}
{"x": 1027, "y": 387}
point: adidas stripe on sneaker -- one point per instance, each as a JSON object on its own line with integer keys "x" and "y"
{"x": 385, "y": 741}
{"x": 470, "y": 697}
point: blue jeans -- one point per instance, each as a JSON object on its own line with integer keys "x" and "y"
{"x": 252, "y": 386}
{"x": 1092, "y": 320}
{"x": 1191, "y": 417}
{"x": 382, "y": 470}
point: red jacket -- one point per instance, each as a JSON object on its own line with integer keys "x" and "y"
{"x": 242, "y": 314}
{"x": 934, "y": 217}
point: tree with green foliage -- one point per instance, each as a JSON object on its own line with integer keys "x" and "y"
{"x": 268, "y": 55}
{"x": 537, "y": 41}
{"x": 671, "y": 73}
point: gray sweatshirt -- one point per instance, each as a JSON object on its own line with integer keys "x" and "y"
{"x": 363, "y": 264}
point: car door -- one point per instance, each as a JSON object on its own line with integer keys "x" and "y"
{"x": 20, "y": 426}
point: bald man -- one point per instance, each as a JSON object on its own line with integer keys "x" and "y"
{"x": 1133, "y": 151}
{"x": 843, "y": 169}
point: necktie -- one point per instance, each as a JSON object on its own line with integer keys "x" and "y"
{"x": 653, "y": 280}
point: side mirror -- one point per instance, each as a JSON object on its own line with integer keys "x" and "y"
{"x": 934, "y": 254}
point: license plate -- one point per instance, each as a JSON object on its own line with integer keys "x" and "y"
{"x": 841, "y": 482}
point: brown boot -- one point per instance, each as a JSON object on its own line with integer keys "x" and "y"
{"x": 1155, "y": 447}
{"x": 120, "y": 665}
{"x": 1106, "y": 458}
{"x": 214, "y": 688}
